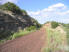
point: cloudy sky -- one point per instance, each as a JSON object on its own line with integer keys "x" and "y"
{"x": 44, "y": 10}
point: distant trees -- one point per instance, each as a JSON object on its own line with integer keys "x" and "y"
{"x": 54, "y": 24}
{"x": 65, "y": 25}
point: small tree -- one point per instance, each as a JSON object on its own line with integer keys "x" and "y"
{"x": 54, "y": 24}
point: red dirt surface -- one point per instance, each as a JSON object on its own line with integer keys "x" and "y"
{"x": 32, "y": 42}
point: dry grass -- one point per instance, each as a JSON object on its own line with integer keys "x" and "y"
{"x": 56, "y": 40}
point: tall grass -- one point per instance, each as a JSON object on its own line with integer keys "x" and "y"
{"x": 67, "y": 34}
{"x": 55, "y": 41}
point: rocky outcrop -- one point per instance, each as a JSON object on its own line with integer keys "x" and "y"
{"x": 13, "y": 22}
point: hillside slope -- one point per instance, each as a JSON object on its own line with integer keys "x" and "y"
{"x": 13, "y": 19}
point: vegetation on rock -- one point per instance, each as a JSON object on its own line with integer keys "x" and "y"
{"x": 12, "y": 7}
{"x": 11, "y": 24}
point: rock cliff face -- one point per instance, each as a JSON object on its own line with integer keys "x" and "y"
{"x": 13, "y": 19}
{"x": 12, "y": 22}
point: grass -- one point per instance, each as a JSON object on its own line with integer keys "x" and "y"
{"x": 16, "y": 35}
{"x": 21, "y": 33}
{"x": 55, "y": 40}
{"x": 24, "y": 32}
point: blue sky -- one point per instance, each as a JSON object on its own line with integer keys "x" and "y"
{"x": 44, "y": 10}
{"x": 35, "y": 5}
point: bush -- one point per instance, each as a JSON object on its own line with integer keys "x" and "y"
{"x": 38, "y": 25}
{"x": 24, "y": 12}
{"x": 31, "y": 28}
{"x": 54, "y": 24}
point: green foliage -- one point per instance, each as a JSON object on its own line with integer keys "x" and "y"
{"x": 38, "y": 25}
{"x": 24, "y": 12}
{"x": 24, "y": 32}
{"x": 16, "y": 10}
{"x": 66, "y": 25}
{"x": 54, "y": 24}
{"x": 11, "y": 7}
{"x": 20, "y": 33}
{"x": 17, "y": 34}
{"x": 31, "y": 28}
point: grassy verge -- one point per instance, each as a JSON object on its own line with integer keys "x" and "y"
{"x": 16, "y": 35}
{"x": 55, "y": 41}
{"x": 20, "y": 33}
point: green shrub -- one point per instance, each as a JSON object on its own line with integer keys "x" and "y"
{"x": 31, "y": 28}
{"x": 54, "y": 24}
{"x": 24, "y": 12}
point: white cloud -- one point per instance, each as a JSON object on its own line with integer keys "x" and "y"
{"x": 57, "y": 12}
{"x": 4, "y": 1}
{"x": 66, "y": 12}
{"x": 59, "y": 5}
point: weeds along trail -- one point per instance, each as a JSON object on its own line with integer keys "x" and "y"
{"x": 56, "y": 40}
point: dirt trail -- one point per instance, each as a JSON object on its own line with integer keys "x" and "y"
{"x": 29, "y": 43}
